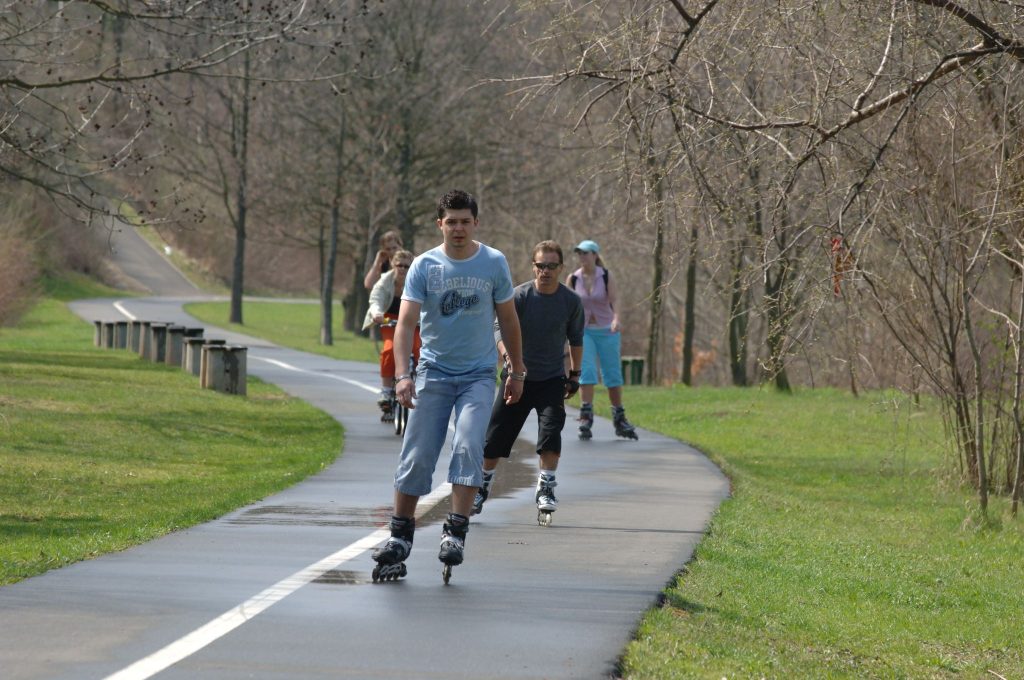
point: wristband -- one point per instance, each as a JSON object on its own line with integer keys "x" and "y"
{"x": 574, "y": 374}
{"x": 402, "y": 377}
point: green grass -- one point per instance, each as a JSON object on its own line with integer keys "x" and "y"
{"x": 293, "y": 324}
{"x": 842, "y": 553}
{"x": 100, "y": 450}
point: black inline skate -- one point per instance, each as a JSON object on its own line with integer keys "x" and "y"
{"x": 586, "y": 420}
{"x": 623, "y": 428}
{"x": 482, "y": 493}
{"x": 453, "y": 544}
{"x": 546, "y": 501}
{"x": 391, "y": 556}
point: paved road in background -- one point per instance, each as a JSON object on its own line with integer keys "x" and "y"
{"x": 141, "y": 267}
{"x": 282, "y": 589}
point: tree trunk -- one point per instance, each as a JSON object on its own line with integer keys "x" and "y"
{"x": 654, "y": 336}
{"x": 404, "y": 200}
{"x": 241, "y": 148}
{"x": 689, "y": 317}
{"x": 327, "y": 283}
{"x": 739, "y": 316}
{"x": 775, "y": 312}
{"x": 979, "y": 402}
{"x": 1018, "y": 377}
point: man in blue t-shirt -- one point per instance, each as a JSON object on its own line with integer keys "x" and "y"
{"x": 453, "y": 292}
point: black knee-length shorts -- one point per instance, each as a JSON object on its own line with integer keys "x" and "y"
{"x": 546, "y": 396}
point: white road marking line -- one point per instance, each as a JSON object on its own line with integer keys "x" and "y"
{"x": 208, "y": 633}
{"x": 119, "y": 306}
{"x": 348, "y": 381}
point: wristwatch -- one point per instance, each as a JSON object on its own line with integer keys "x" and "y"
{"x": 517, "y": 376}
{"x": 574, "y": 374}
{"x": 402, "y": 377}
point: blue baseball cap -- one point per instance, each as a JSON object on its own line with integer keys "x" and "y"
{"x": 587, "y": 246}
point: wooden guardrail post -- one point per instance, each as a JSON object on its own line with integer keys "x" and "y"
{"x": 97, "y": 333}
{"x": 175, "y": 335}
{"x": 107, "y": 335}
{"x": 144, "y": 340}
{"x": 204, "y": 359}
{"x": 157, "y": 342}
{"x": 120, "y": 334}
{"x": 235, "y": 366}
{"x": 192, "y": 356}
{"x": 212, "y": 374}
{"x": 134, "y": 328}
{"x": 224, "y": 368}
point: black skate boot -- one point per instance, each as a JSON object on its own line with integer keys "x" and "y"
{"x": 546, "y": 501}
{"x": 482, "y": 493}
{"x": 623, "y": 428}
{"x": 384, "y": 401}
{"x": 586, "y": 420}
{"x": 453, "y": 543}
{"x": 391, "y": 556}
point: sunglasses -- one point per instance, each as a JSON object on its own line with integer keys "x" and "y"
{"x": 550, "y": 266}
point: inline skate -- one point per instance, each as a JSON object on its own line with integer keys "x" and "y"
{"x": 623, "y": 428}
{"x": 391, "y": 556}
{"x": 385, "y": 401}
{"x": 546, "y": 501}
{"x": 482, "y": 493}
{"x": 586, "y": 420}
{"x": 453, "y": 544}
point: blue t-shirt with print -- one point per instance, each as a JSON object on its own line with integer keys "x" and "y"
{"x": 457, "y": 299}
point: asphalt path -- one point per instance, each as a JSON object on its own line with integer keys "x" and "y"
{"x": 282, "y": 588}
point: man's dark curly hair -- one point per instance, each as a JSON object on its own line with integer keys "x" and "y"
{"x": 456, "y": 199}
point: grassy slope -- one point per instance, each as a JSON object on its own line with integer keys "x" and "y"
{"x": 841, "y": 554}
{"x": 100, "y": 451}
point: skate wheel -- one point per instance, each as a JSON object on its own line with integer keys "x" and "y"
{"x": 446, "y": 573}
{"x": 389, "y": 572}
{"x": 544, "y": 518}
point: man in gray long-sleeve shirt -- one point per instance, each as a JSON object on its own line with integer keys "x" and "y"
{"x": 549, "y": 315}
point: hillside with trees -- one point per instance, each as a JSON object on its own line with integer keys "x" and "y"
{"x": 793, "y": 194}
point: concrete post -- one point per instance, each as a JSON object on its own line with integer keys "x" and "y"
{"x": 175, "y": 335}
{"x": 121, "y": 334}
{"x": 134, "y": 328}
{"x": 97, "y": 333}
{"x": 108, "y": 336}
{"x": 213, "y": 375}
{"x": 144, "y": 340}
{"x": 203, "y": 359}
{"x": 192, "y": 355}
{"x": 157, "y": 342}
{"x": 235, "y": 363}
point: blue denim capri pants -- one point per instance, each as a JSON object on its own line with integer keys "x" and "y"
{"x": 600, "y": 344}
{"x": 438, "y": 395}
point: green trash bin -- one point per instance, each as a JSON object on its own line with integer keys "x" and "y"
{"x": 633, "y": 370}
